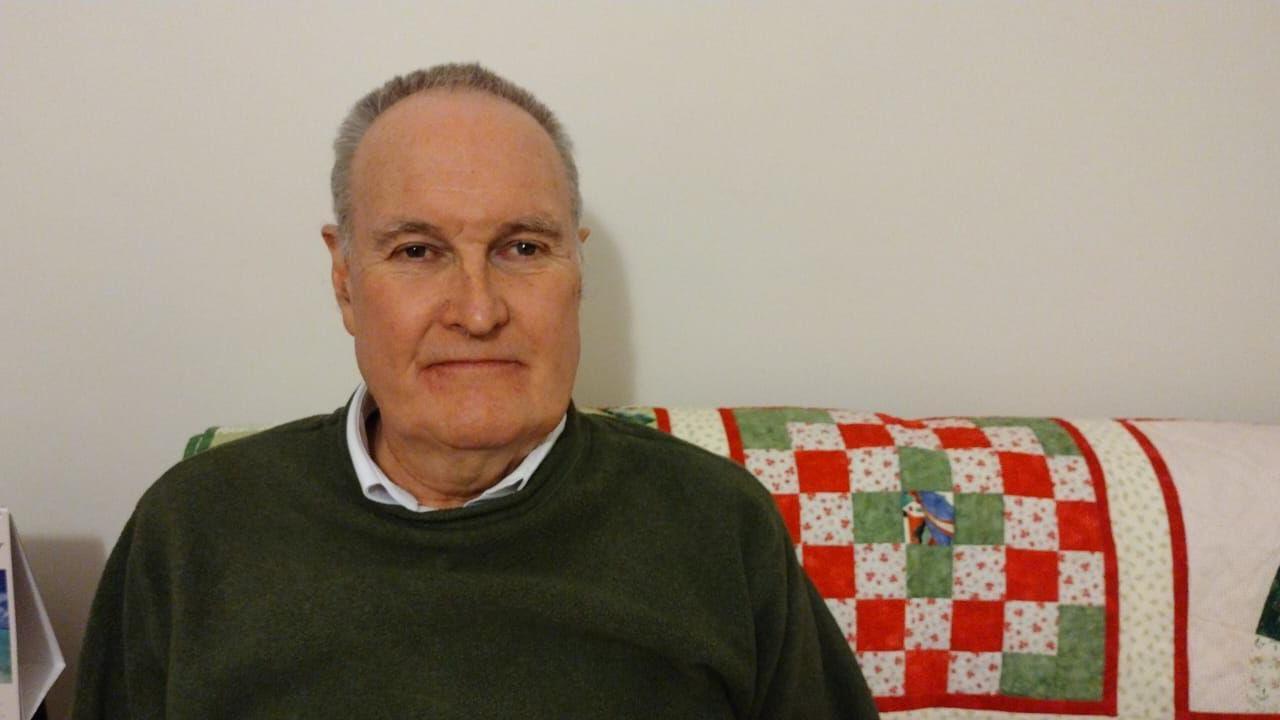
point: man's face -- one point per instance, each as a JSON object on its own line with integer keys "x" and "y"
{"x": 462, "y": 282}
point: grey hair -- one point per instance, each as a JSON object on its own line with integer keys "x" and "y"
{"x": 452, "y": 76}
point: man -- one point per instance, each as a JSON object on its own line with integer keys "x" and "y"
{"x": 459, "y": 541}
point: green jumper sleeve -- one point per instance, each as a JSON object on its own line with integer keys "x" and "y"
{"x": 122, "y": 667}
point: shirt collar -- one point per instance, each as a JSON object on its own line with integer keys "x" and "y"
{"x": 379, "y": 488}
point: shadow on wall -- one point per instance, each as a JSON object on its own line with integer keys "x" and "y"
{"x": 66, "y": 571}
{"x": 606, "y": 375}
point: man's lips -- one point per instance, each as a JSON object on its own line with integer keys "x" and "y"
{"x": 474, "y": 364}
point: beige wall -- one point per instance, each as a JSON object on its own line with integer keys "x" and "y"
{"x": 922, "y": 208}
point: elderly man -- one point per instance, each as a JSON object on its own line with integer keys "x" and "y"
{"x": 459, "y": 541}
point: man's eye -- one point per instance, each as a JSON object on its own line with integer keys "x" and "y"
{"x": 416, "y": 252}
{"x": 525, "y": 248}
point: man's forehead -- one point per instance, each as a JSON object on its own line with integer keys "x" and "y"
{"x": 457, "y": 141}
{"x": 455, "y": 122}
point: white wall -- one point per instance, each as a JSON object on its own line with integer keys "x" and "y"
{"x": 922, "y": 208}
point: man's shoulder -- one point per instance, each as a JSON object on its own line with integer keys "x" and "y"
{"x": 675, "y": 465}
{"x": 251, "y": 464}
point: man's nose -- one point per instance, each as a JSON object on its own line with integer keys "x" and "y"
{"x": 477, "y": 307}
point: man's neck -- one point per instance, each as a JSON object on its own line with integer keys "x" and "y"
{"x": 439, "y": 476}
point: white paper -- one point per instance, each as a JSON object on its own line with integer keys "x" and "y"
{"x": 35, "y": 658}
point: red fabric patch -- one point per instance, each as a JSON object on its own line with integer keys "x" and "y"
{"x": 881, "y": 624}
{"x": 977, "y": 625}
{"x": 1079, "y": 526}
{"x": 789, "y": 509}
{"x": 891, "y": 420}
{"x": 823, "y": 470}
{"x": 1031, "y": 574}
{"x": 857, "y": 436}
{"x": 830, "y": 567}
{"x": 1026, "y": 475}
{"x": 926, "y": 673}
{"x": 958, "y": 438}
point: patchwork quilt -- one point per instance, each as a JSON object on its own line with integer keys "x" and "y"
{"x": 1024, "y": 567}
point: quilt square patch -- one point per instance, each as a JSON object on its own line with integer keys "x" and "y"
{"x": 1031, "y": 627}
{"x": 974, "y": 673}
{"x": 831, "y": 569}
{"x": 928, "y": 625}
{"x": 814, "y": 436}
{"x": 977, "y": 625}
{"x": 1030, "y": 523}
{"x": 975, "y": 471}
{"x": 1070, "y": 477}
{"x": 822, "y": 471}
{"x": 956, "y": 438}
{"x": 881, "y": 570}
{"x": 881, "y": 624}
{"x": 826, "y": 519}
{"x": 929, "y": 571}
{"x": 1031, "y": 574}
{"x": 1026, "y": 475}
{"x": 866, "y": 435}
{"x": 977, "y": 572}
{"x": 855, "y": 417}
{"x": 1014, "y": 438}
{"x": 1082, "y": 526}
{"x": 874, "y": 469}
{"x": 877, "y": 517}
{"x": 885, "y": 672}
{"x": 929, "y": 518}
{"x": 979, "y": 519}
{"x": 775, "y": 469}
{"x": 1080, "y": 578}
{"x": 924, "y": 469}
{"x": 926, "y": 671}
{"x": 914, "y": 437}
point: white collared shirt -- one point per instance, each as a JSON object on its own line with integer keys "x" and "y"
{"x": 380, "y": 489}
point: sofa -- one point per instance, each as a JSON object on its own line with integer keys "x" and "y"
{"x": 1024, "y": 567}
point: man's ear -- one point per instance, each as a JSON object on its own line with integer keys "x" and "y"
{"x": 340, "y": 275}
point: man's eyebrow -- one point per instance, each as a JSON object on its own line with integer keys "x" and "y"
{"x": 534, "y": 224}
{"x": 386, "y": 236}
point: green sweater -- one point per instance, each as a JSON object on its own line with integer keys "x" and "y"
{"x": 636, "y": 576}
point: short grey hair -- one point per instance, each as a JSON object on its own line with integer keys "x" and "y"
{"x": 451, "y": 76}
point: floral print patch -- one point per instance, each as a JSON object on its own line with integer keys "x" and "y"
{"x": 826, "y": 519}
{"x": 1031, "y": 627}
{"x": 1030, "y": 523}
{"x": 775, "y": 469}
{"x": 880, "y": 570}
{"x": 978, "y": 572}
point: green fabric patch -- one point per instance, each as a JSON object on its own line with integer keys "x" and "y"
{"x": 766, "y": 428}
{"x": 924, "y": 469}
{"x": 1269, "y": 623}
{"x": 637, "y": 415}
{"x": 928, "y": 571}
{"x": 1053, "y": 437}
{"x": 1029, "y": 675}
{"x": 1081, "y": 652}
{"x": 979, "y": 519}
{"x": 877, "y": 517}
